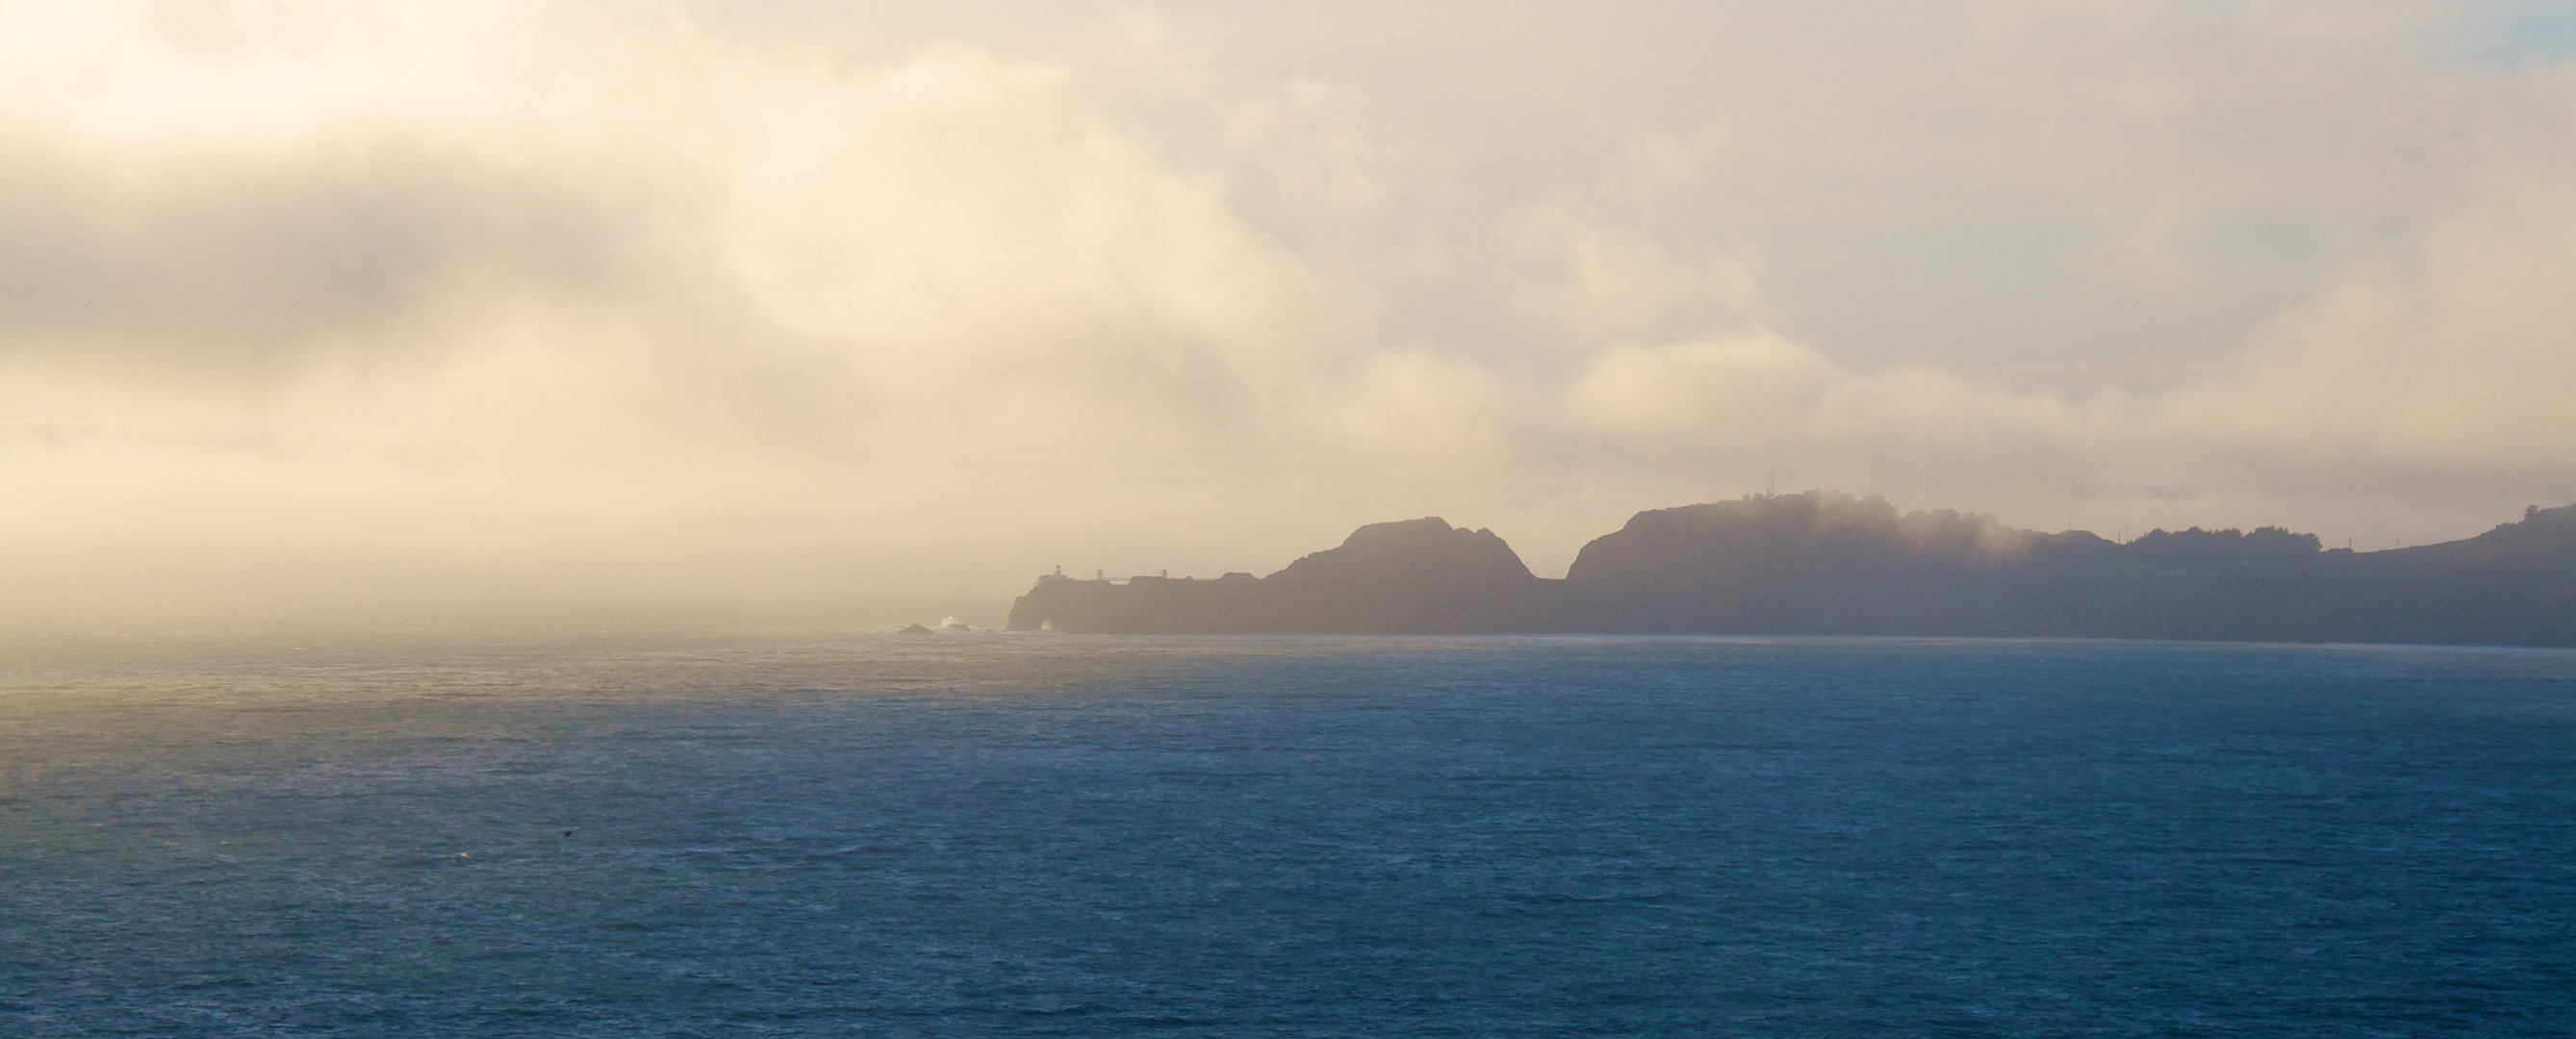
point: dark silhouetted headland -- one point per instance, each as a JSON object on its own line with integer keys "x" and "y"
{"x": 1822, "y": 563}
{"x": 1418, "y": 576}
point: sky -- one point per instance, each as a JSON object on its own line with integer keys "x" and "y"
{"x": 870, "y": 312}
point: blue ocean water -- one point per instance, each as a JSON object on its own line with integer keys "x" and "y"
{"x": 961, "y": 836}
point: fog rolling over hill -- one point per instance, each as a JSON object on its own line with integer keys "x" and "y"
{"x": 1823, "y": 563}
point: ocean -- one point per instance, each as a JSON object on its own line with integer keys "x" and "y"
{"x": 806, "y": 835}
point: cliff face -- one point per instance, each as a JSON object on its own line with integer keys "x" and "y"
{"x": 1821, "y": 563}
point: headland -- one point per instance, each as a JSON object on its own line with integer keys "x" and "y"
{"x": 1824, "y": 563}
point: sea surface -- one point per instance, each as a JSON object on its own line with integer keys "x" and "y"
{"x": 591, "y": 835}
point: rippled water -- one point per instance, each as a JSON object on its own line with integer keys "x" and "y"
{"x": 1488, "y": 837}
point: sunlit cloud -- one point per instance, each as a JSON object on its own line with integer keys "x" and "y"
{"x": 568, "y": 306}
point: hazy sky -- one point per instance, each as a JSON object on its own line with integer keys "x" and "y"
{"x": 876, "y": 310}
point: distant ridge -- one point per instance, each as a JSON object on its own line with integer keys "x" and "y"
{"x": 1825, "y": 563}
{"x": 1415, "y": 576}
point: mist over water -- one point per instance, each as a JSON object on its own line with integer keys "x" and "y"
{"x": 970, "y": 835}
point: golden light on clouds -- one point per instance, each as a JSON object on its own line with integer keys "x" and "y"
{"x": 358, "y": 307}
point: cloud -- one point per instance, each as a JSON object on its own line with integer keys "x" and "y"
{"x": 1600, "y": 282}
{"x": 2441, "y": 373}
{"x": 1746, "y": 390}
{"x": 248, "y": 264}
{"x": 2444, "y": 372}
{"x": 318, "y": 307}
